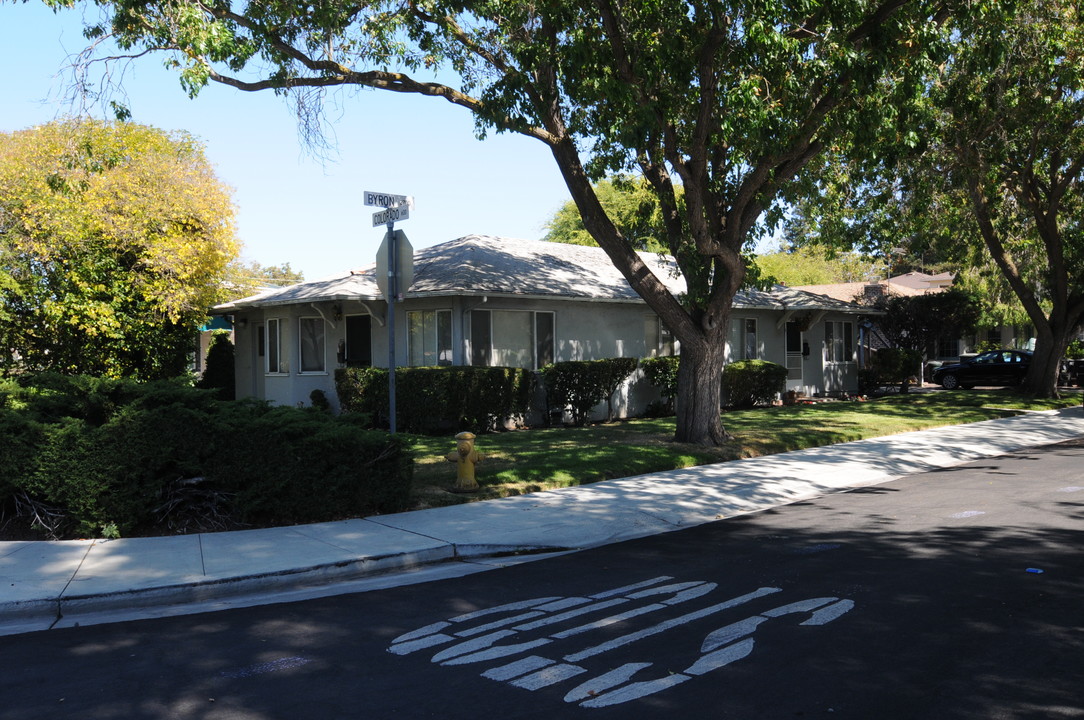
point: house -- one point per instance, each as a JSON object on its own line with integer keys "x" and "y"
{"x": 948, "y": 348}
{"x": 483, "y": 300}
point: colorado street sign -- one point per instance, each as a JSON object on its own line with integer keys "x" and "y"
{"x": 392, "y": 214}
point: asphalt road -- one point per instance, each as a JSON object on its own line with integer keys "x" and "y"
{"x": 954, "y": 594}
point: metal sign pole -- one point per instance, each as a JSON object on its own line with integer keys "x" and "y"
{"x": 393, "y": 292}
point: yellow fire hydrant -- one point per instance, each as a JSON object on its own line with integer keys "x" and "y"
{"x": 465, "y": 457}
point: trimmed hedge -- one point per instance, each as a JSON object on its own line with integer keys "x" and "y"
{"x": 113, "y": 457}
{"x": 747, "y": 383}
{"x": 432, "y": 400}
{"x": 579, "y": 385}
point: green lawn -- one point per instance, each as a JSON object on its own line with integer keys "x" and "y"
{"x": 531, "y": 460}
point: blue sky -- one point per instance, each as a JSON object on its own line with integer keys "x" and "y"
{"x": 292, "y": 207}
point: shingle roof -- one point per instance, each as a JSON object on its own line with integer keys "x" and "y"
{"x": 483, "y": 265}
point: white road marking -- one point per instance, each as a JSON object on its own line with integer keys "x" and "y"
{"x": 484, "y": 643}
{"x": 668, "y": 625}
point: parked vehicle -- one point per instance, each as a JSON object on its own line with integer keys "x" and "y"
{"x": 995, "y": 367}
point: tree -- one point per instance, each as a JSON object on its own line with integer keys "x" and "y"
{"x": 818, "y": 265}
{"x": 629, "y": 202}
{"x": 115, "y": 238}
{"x": 993, "y": 176}
{"x": 244, "y": 279}
{"x": 729, "y": 100}
{"x": 917, "y": 322}
{"x": 1011, "y": 138}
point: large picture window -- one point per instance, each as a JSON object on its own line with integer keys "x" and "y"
{"x": 429, "y": 338}
{"x": 838, "y": 341}
{"x": 311, "y": 340}
{"x": 512, "y": 338}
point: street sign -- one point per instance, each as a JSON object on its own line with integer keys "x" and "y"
{"x": 404, "y": 253}
{"x": 386, "y": 200}
{"x": 392, "y": 214}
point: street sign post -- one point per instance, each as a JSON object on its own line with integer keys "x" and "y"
{"x": 394, "y": 270}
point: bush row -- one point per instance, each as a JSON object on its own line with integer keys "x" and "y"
{"x": 578, "y": 386}
{"x": 437, "y": 399}
{"x": 748, "y": 383}
{"x": 90, "y": 457}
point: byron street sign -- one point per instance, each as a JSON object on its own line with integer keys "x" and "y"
{"x": 386, "y": 200}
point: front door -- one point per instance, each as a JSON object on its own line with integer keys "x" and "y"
{"x": 795, "y": 379}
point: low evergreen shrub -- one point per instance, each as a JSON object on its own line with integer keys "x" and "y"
{"x": 108, "y": 462}
{"x": 748, "y": 383}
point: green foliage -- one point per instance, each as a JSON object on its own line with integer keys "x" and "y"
{"x": 1075, "y": 350}
{"x": 818, "y": 265}
{"x": 438, "y": 399}
{"x": 114, "y": 238}
{"x": 245, "y": 279}
{"x": 580, "y": 385}
{"x": 289, "y": 466}
{"x": 107, "y": 465}
{"x": 747, "y": 383}
{"x": 918, "y": 321}
{"x": 890, "y": 366}
{"x": 662, "y": 372}
{"x": 629, "y": 202}
{"x": 219, "y": 372}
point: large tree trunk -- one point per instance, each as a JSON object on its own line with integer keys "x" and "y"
{"x": 1050, "y": 343}
{"x": 700, "y": 379}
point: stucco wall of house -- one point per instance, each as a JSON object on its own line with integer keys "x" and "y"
{"x": 582, "y": 331}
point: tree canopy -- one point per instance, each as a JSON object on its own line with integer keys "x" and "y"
{"x": 993, "y": 179}
{"x": 114, "y": 239}
{"x": 730, "y": 100}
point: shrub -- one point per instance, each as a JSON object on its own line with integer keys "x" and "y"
{"x": 662, "y": 372}
{"x": 437, "y": 399}
{"x": 129, "y": 455}
{"x": 289, "y": 465}
{"x": 219, "y": 372}
{"x": 890, "y": 366}
{"x": 747, "y": 383}
{"x": 580, "y": 385}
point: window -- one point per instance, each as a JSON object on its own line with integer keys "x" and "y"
{"x": 311, "y": 338}
{"x": 838, "y": 341}
{"x": 481, "y": 338}
{"x": 276, "y": 363}
{"x": 658, "y": 340}
{"x": 429, "y": 338}
{"x": 359, "y": 341}
{"x": 512, "y": 338}
{"x": 743, "y": 339}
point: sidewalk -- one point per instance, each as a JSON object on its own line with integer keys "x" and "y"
{"x": 61, "y": 584}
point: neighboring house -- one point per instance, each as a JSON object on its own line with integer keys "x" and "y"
{"x": 491, "y": 301}
{"x": 918, "y": 283}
